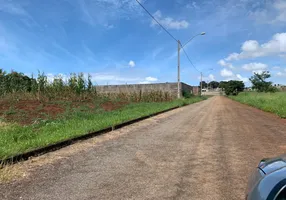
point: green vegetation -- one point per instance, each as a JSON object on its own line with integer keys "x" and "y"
{"x": 260, "y": 84}
{"x": 16, "y": 139}
{"x": 212, "y": 84}
{"x": 76, "y": 86}
{"x": 270, "y": 102}
{"x": 36, "y": 112}
{"x": 232, "y": 87}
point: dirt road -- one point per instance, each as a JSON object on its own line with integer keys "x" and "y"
{"x": 202, "y": 151}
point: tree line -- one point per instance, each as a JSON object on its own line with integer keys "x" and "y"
{"x": 233, "y": 87}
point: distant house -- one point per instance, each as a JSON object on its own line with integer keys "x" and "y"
{"x": 280, "y": 87}
{"x": 248, "y": 89}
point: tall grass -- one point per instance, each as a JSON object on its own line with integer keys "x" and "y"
{"x": 76, "y": 86}
{"x": 270, "y": 102}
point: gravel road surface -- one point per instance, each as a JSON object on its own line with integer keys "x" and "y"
{"x": 202, "y": 151}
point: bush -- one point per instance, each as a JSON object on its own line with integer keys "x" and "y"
{"x": 188, "y": 94}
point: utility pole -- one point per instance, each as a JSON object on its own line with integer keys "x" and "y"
{"x": 179, "y": 84}
{"x": 201, "y": 83}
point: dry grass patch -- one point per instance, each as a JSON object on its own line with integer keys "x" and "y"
{"x": 9, "y": 173}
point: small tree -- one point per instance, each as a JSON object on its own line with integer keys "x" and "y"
{"x": 204, "y": 84}
{"x": 259, "y": 82}
{"x": 234, "y": 87}
{"x": 222, "y": 84}
{"x": 213, "y": 84}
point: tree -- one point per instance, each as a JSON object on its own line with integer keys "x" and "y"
{"x": 214, "y": 84}
{"x": 205, "y": 85}
{"x": 222, "y": 84}
{"x": 259, "y": 82}
{"x": 233, "y": 87}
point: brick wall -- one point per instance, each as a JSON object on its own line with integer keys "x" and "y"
{"x": 130, "y": 88}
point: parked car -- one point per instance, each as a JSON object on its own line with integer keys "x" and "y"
{"x": 268, "y": 181}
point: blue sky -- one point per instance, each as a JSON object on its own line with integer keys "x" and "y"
{"x": 117, "y": 42}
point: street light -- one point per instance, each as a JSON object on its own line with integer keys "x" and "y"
{"x": 179, "y": 49}
{"x": 202, "y": 33}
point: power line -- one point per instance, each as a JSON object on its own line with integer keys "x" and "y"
{"x": 157, "y": 21}
{"x": 166, "y": 32}
{"x": 190, "y": 59}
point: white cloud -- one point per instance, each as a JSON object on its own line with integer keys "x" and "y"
{"x": 225, "y": 64}
{"x": 111, "y": 77}
{"x": 131, "y": 63}
{"x": 254, "y": 66}
{"x": 252, "y": 49}
{"x": 280, "y": 7}
{"x": 250, "y": 45}
{"x": 148, "y": 80}
{"x": 244, "y": 79}
{"x": 229, "y": 75}
{"x": 211, "y": 77}
{"x": 226, "y": 73}
{"x": 208, "y": 78}
{"x": 151, "y": 79}
{"x": 102, "y": 12}
{"x": 273, "y": 13}
{"x": 192, "y": 5}
{"x": 281, "y": 73}
{"x": 108, "y": 26}
{"x": 276, "y": 67}
{"x": 169, "y": 22}
{"x": 232, "y": 56}
{"x": 144, "y": 82}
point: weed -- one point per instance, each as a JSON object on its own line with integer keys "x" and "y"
{"x": 11, "y": 111}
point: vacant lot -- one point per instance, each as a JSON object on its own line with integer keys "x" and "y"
{"x": 27, "y": 125}
{"x": 270, "y": 102}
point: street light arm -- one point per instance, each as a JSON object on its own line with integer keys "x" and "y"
{"x": 203, "y": 33}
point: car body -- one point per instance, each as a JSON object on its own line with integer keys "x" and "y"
{"x": 268, "y": 181}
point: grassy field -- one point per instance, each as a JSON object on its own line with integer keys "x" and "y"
{"x": 270, "y": 102}
{"x": 16, "y": 138}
